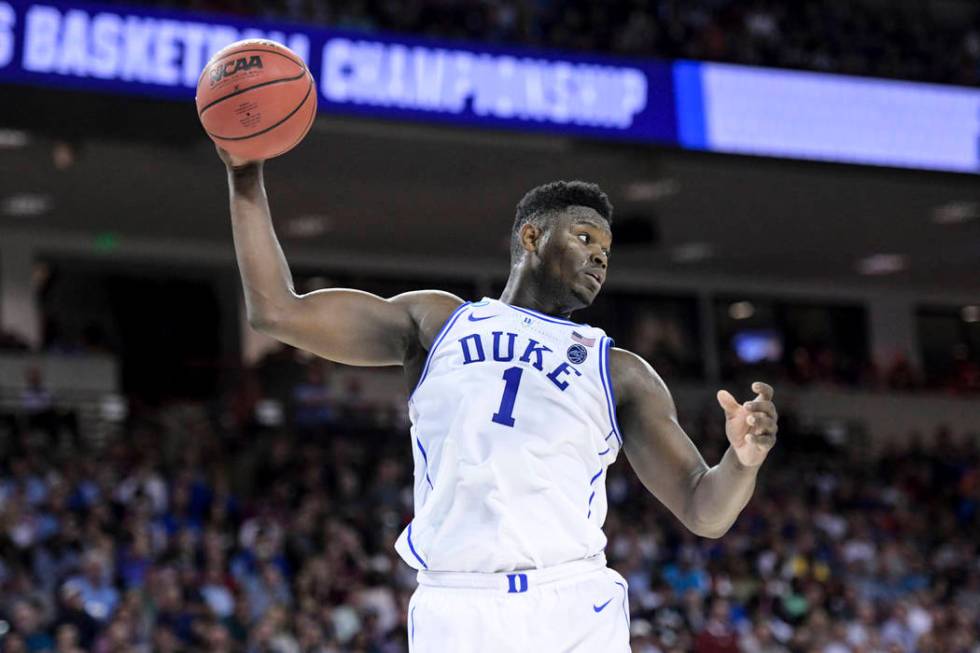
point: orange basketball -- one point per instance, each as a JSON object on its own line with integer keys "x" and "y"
{"x": 256, "y": 99}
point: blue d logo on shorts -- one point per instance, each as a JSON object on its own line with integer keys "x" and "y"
{"x": 516, "y": 583}
{"x": 577, "y": 354}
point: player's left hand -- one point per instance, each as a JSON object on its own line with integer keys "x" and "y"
{"x": 751, "y": 427}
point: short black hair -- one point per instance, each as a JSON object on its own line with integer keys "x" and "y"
{"x": 544, "y": 202}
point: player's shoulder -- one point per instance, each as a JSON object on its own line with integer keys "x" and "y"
{"x": 429, "y": 310}
{"x": 633, "y": 376}
{"x": 428, "y": 299}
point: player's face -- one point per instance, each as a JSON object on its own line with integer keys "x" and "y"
{"x": 576, "y": 255}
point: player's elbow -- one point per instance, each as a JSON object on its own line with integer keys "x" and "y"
{"x": 264, "y": 322}
{"x": 709, "y": 531}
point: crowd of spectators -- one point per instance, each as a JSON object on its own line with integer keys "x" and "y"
{"x": 825, "y": 367}
{"x": 204, "y": 530}
{"x": 929, "y": 41}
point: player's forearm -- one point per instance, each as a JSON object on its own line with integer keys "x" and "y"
{"x": 720, "y": 495}
{"x": 266, "y": 279}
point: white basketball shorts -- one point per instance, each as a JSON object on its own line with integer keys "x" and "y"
{"x": 581, "y": 606}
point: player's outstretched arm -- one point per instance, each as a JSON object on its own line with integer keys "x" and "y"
{"x": 347, "y": 326}
{"x": 707, "y": 500}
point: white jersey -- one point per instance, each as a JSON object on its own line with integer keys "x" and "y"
{"x": 513, "y": 427}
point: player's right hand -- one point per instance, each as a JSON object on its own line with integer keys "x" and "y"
{"x": 232, "y": 161}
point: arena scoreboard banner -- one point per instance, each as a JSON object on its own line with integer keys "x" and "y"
{"x": 701, "y": 106}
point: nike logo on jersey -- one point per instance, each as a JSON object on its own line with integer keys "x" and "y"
{"x": 473, "y": 318}
{"x": 600, "y": 608}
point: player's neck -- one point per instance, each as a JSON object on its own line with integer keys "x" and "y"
{"x": 522, "y": 292}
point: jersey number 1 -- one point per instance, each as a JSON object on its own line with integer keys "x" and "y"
{"x": 505, "y": 414}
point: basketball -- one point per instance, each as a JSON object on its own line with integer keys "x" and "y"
{"x": 256, "y": 99}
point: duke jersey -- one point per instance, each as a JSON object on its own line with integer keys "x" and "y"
{"x": 513, "y": 427}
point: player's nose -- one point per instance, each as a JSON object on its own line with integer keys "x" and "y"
{"x": 599, "y": 259}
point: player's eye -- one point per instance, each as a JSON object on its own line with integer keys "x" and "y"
{"x": 585, "y": 238}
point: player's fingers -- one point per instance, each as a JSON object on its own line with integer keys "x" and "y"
{"x": 727, "y": 402}
{"x": 761, "y": 423}
{"x": 764, "y": 441}
{"x": 766, "y": 407}
{"x": 764, "y": 390}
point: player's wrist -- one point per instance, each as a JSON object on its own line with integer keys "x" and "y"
{"x": 245, "y": 175}
{"x": 737, "y": 463}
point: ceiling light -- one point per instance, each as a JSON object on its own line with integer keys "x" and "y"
{"x": 24, "y": 205}
{"x": 692, "y": 252}
{"x": 308, "y": 226}
{"x": 741, "y": 310}
{"x": 956, "y": 212}
{"x": 878, "y": 264}
{"x": 971, "y": 313}
{"x": 651, "y": 191}
{"x": 13, "y": 138}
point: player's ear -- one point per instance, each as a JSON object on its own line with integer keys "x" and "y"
{"x": 530, "y": 237}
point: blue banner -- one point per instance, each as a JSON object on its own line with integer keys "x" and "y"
{"x": 711, "y": 107}
{"x": 161, "y": 54}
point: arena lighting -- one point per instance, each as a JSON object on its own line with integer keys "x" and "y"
{"x": 692, "y": 252}
{"x": 13, "y": 138}
{"x": 651, "y": 191}
{"x": 971, "y": 313}
{"x": 956, "y": 212}
{"x": 880, "y": 264}
{"x": 741, "y": 310}
{"x": 308, "y": 226}
{"x": 26, "y": 205}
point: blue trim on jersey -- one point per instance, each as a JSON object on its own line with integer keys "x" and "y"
{"x": 411, "y": 620}
{"x": 412, "y": 547}
{"x": 592, "y": 496}
{"x": 608, "y": 449}
{"x": 435, "y": 344}
{"x": 426, "y": 459}
{"x": 607, "y": 387}
{"x": 547, "y": 318}
{"x": 625, "y": 598}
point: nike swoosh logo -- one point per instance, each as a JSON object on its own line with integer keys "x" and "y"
{"x": 599, "y": 608}
{"x": 473, "y": 318}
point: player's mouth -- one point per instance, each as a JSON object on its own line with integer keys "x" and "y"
{"x": 597, "y": 276}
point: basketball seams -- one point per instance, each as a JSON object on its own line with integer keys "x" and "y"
{"x": 306, "y": 130}
{"x": 245, "y": 90}
{"x": 309, "y": 89}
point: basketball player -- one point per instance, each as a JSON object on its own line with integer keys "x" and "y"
{"x": 516, "y": 413}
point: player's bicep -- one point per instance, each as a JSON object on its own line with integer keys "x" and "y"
{"x": 348, "y": 326}
{"x": 658, "y": 449}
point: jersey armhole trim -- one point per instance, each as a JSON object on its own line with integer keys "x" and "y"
{"x": 412, "y": 547}
{"x": 608, "y": 342}
{"x": 450, "y": 321}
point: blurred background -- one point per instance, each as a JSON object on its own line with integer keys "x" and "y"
{"x": 796, "y": 202}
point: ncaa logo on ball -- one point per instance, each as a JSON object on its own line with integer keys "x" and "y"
{"x": 230, "y": 68}
{"x": 577, "y": 354}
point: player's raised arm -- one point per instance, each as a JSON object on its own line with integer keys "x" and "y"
{"x": 347, "y": 326}
{"x": 707, "y": 500}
